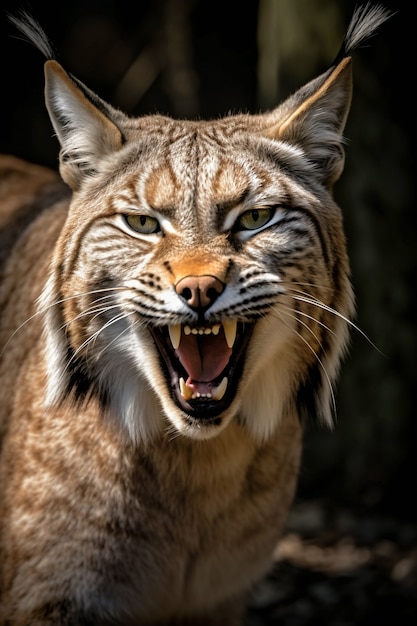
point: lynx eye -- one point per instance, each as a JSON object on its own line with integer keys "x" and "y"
{"x": 253, "y": 219}
{"x": 144, "y": 224}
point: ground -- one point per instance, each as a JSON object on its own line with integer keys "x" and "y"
{"x": 337, "y": 568}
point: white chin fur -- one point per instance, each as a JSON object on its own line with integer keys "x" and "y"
{"x": 196, "y": 430}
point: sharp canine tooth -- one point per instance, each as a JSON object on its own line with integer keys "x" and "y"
{"x": 218, "y": 392}
{"x": 175, "y": 335}
{"x": 186, "y": 392}
{"x": 230, "y": 327}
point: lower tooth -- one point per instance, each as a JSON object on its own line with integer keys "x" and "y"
{"x": 186, "y": 392}
{"x": 218, "y": 392}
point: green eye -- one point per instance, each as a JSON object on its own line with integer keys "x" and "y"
{"x": 254, "y": 218}
{"x": 144, "y": 224}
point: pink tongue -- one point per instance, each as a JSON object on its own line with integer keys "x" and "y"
{"x": 203, "y": 356}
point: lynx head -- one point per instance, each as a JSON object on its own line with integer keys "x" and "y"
{"x": 201, "y": 275}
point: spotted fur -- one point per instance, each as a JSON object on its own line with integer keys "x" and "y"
{"x": 145, "y": 482}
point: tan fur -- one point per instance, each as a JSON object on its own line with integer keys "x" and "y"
{"x": 128, "y": 496}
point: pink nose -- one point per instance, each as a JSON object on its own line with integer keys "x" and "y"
{"x": 199, "y": 291}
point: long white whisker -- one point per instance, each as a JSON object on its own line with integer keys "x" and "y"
{"x": 18, "y": 329}
{"x": 109, "y": 323}
{"x": 92, "y": 338}
{"x": 74, "y": 296}
{"x": 310, "y": 317}
{"x": 92, "y": 312}
{"x": 318, "y": 359}
{"x": 45, "y": 308}
{"x": 292, "y": 315}
{"x": 290, "y": 285}
{"x": 317, "y": 303}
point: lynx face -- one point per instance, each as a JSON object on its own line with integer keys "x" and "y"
{"x": 193, "y": 262}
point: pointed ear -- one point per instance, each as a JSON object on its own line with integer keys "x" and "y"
{"x": 82, "y": 124}
{"x": 314, "y": 119}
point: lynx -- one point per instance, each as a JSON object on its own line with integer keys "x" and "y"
{"x": 174, "y": 306}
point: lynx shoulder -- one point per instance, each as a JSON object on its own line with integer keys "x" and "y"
{"x": 174, "y": 305}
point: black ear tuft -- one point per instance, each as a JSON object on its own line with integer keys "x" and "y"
{"x": 33, "y": 32}
{"x": 365, "y": 20}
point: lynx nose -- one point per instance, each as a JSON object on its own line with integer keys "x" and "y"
{"x": 199, "y": 291}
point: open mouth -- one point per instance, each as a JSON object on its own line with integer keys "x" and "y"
{"x": 203, "y": 364}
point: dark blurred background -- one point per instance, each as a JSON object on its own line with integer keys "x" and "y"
{"x": 203, "y": 59}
